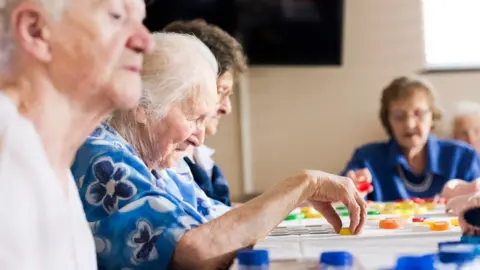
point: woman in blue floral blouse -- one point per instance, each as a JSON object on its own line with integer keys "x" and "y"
{"x": 144, "y": 216}
{"x": 121, "y": 175}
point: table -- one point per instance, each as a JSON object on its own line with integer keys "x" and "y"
{"x": 373, "y": 249}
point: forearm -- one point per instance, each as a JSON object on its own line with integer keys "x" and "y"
{"x": 216, "y": 241}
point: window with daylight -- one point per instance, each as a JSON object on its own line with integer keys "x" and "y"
{"x": 451, "y": 34}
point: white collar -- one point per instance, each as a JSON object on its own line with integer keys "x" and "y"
{"x": 203, "y": 157}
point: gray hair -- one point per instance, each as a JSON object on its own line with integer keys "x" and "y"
{"x": 54, "y": 8}
{"x": 179, "y": 66}
{"x": 466, "y": 108}
{"x": 461, "y": 109}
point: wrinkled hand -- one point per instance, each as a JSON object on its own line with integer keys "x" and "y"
{"x": 456, "y": 205}
{"x": 361, "y": 177}
{"x": 329, "y": 188}
{"x": 457, "y": 187}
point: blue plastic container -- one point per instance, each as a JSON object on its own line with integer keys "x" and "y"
{"x": 425, "y": 262}
{"x": 336, "y": 260}
{"x": 253, "y": 259}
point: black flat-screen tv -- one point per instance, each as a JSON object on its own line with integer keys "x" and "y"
{"x": 272, "y": 32}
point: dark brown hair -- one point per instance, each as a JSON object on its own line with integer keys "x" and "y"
{"x": 405, "y": 87}
{"x": 226, "y": 49}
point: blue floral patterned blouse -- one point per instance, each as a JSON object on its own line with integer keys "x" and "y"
{"x": 137, "y": 216}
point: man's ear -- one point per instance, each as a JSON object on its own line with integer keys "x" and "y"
{"x": 140, "y": 115}
{"x": 29, "y": 25}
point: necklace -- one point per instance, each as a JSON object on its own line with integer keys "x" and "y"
{"x": 422, "y": 187}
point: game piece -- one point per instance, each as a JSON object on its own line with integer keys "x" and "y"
{"x": 295, "y": 216}
{"x": 345, "y": 231}
{"x": 454, "y": 222}
{"x": 344, "y": 214}
{"x": 389, "y": 224}
{"x": 305, "y": 209}
{"x": 378, "y": 206}
{"x": 418, "y": 219}
{"x": 363, "y": 186}
{"x": 407, "y": 204}
{"x": 439, "y": 226}
{"x": 428, "y": 222}
{"x": 440, "y": 200}
{"x": 421, "y": 210}
{"x": 430, "y": 206}
{"x": 406, "y": 212}
{"x": 418, "y": 200}
{"x": 373, "y": 212}
{"x": 312, "y": 213}
{"x": 341, "y": 207}
{"x": 392, "y": 205}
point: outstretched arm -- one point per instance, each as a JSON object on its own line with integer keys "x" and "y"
{"x": 214, "y": 243}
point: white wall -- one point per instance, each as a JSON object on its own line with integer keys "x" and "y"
{"x": 314, "y": 117}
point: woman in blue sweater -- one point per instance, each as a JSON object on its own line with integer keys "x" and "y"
{"x": 413, "y": 162}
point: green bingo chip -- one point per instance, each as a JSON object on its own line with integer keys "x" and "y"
{"x": 295, "y": 216}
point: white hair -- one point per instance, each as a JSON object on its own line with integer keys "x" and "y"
{"x": 466, "y": 108}
{"x": 179, "y": 66}
{"x": 461, "y": 109}
{"x": 53, "y": 8}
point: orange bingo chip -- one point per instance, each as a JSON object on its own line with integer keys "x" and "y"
{"x": 439, "y": 226}
{"x": 389, "y": 224}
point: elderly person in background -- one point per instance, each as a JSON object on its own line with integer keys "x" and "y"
{"x": 465, "y": 127}
{"x": 142, "y": 216}
{"x": 413, "y": 163}
{"x": 231, "y": 63}
{"x": 64, "y": 65}
{"x": 466, "y": 123}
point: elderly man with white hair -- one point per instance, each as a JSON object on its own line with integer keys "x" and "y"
{"x": 64, "y": 65}
{"x": 145, "y": 215}
{"x": 465, "y": 126}
{"x": 466, "y": 123}
{"x": 465, "y": 197}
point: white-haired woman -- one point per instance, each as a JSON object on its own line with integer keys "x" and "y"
{"x": 466, "y": 123}
{"x": 64, "y": 65}
{"x": 149, "y": 218}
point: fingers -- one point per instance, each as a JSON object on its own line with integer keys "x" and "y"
{"x": 356, "y": 208}
{"x": 456, "y": 205}
{"x": 363, "y": 213}
{"x": 366, "y": 174}
{"x": 351, "y": 174}
{"x": 360, "y": 175}
{"x": 327, "y": 210}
